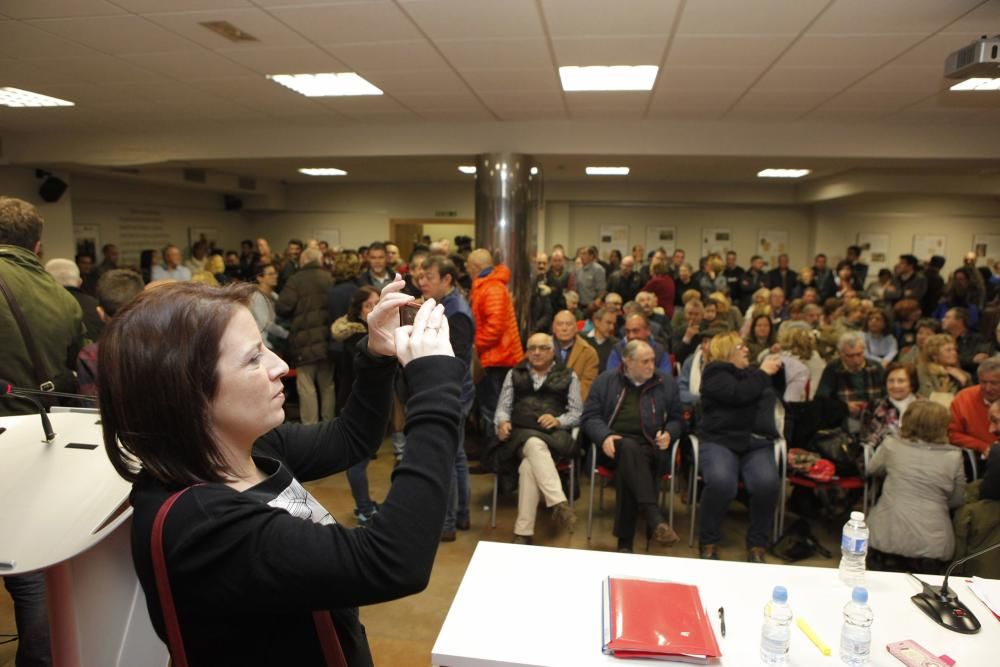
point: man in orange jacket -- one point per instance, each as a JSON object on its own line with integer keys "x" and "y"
{"x": 498, "y": 341}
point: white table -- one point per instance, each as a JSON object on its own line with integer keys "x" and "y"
{"x": 524, "y": 605}
{"x": 65, "y": 511}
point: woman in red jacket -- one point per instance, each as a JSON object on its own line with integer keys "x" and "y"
{"x": 662, "y": 285}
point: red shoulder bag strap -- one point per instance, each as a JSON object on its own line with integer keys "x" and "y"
{"x": 333, "y": 654}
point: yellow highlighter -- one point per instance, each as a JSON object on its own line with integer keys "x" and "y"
{"x": 811, "y": 634}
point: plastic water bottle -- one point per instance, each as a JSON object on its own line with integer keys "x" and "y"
{"x": 776, "y": 632}
{"x": 856, "y": 635}
{"x": 854, "y": 550}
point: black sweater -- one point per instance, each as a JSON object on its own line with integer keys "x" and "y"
{"x": 735, "y": 404}
{"x": 246, "y": 576}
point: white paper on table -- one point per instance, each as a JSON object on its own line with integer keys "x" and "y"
{"x": 987, "y": 590}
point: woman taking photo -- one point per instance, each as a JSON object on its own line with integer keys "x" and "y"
{"x": 256, "y": 569}
{"x": 737, "y": 434}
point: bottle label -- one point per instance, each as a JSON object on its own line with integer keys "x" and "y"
{"x": 855, "y": 545}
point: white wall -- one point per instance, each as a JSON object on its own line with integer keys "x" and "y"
{"x": 57, "y": 232}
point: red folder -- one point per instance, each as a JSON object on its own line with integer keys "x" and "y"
{"x": 656, "y": 619}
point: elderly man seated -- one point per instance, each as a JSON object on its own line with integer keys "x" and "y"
{"x": 539, "y": 405}
{"x": 632, "y": 415}
{"x": 970, "y": 422}
{"x": 853, "y": 379}
{"x": 573, "y": 351}
{"x": 637, "y": 328}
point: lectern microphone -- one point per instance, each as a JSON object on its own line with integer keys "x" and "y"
{"x": 7, "y": 391}
{"x": 8, "y": 388}
{"x": 943, "y": 605}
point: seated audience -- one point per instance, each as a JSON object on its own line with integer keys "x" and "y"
{"x": 886, "y": 416}
{"x": 637, "y": 328}
{"x": 880, "y": 344}
{"x": 683, "y": 343}
{"x": 937, "y": 369}
{"x": 800, "y": 362}
{"x": 573, "y": 352}
{"x": 970, "y": 424}
{"x": 632, "y": 416}
{"x": 924, "y": 329}
{"x": 601, "y": 336}
{"x": 689, "y": 378}
{"x": 972, "y": 349}
{"x": 539, "y": 405}
{"x": 760, "y": 337}
{"x": 171, "y": 269}
{"x": 923, "y": 481}
{"x": 572, "y": 300}
{"x": 737, "y": 433}
{"x": 990, "y": 486}
{"x": 854, "y": 380}
{"x": 779, "y": 306}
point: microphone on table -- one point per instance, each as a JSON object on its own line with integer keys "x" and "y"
{"x": 6, "y": 389}
{"x": 943, "y": 605}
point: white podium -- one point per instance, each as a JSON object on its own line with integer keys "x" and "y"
{"x": 64, "y": 510}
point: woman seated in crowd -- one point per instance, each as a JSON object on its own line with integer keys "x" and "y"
{"x": 760, "y": 337}
{"x": 260, "y": 573}
{"x": 924, "y": 479}
{"x": 924, "y": 329}
{"x": 349, "y": 330}
{"x": 938, "y": 371}
{"x": 737, "y": 434}
{"x": 886, "y": 415}
{"x": 880, "y": 344}
{"x": 801, "y": 363}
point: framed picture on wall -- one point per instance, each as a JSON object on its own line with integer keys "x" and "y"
{"x": 614, "y": 237}
{"x": 716, "y": 239}
{"x": 661, "y": 237}
{"x": 770, "y": 244}
{"x": 874, "y": 251}
{"x": 926, "y": 246}
{"x": 987, "y": 247}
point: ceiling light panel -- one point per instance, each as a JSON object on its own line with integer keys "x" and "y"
{"x": 615, "y": 77}
{"x": 326, "y": 84}
{"x": 607, "y": 171}
{"x": 15, "y": 97}
{"x": 977, "y": 83}
{"x": 322, "y": 171}
{"x": 782, "y": 173}
{"x": 467, "y": 169}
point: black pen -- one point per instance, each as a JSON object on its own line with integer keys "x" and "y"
{"x": 722, "y": 621}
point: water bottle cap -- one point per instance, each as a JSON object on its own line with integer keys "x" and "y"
{"x": 857, "y": 516}
{"x": 860, "y": 595}
{"x": 780, "y": 594}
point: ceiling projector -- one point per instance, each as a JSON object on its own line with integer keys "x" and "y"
{"x": 979, "y": 59}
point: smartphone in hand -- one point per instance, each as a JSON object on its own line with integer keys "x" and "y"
{"x": 408, "y": 312}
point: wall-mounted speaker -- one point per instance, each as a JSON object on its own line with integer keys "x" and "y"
{"x": 231, "y": 203}
{"x": 52, "y": 188}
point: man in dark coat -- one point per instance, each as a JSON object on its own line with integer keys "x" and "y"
{"x": 304, "y": 302}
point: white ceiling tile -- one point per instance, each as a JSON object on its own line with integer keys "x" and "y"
{"x": 847, "y": 50}
{"x": 38, "y": 9}
{"x": 98, "y": 69}
{"x": 707, "y": 78}
{"x": 267, "y": 29}
{"x": 535, "y": 115}
{"x": 290, "y": 3}
{"x": 785, "y": 101}
{"x": 259, "y": 94}
{"x": 911, "y": 16}
{"x": 503, "y": 102}
{"x": 611, "y": 101}
{"x": 982, "y": 19}
{"x": 823, "y": 78}
{"x": 421, "y": 102}
{"x": 900, "y": 78}
{"x": 193, "y": 66}
{"x": 694, "y": 101}
{"x": 725, "y": 50}
{"x": 153, "y": 6}
{"x": 845, "y": 115}
{"x": 382, "y": 56}
{"x": 368, "y": 104}
{"x": 448, "y": 116}
{"x": 496, "y": 54}
{"x": 606, "y": 114}
{"x": 884, "y": 101}
{"x": 117, "y": 34}
{"x": 475, "y": 19}
{"x": 421, "y": 81}
{"x": 30, "y": 76}
{"x": 933, "y": 51}
{"x": 513, "y": 79}
{"x": 965, "y": 99}
{"x": 286, "y": 60}
{"x": 585, "y": 51}
{"x": 567, "y": 18}
{"x": 24, "y": 41}
{"x": 761, "y": 17}
{"x": 355, "y": 22}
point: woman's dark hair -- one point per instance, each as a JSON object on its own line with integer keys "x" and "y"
{"x": 910, "y": 371}
{"x": 752, "y": 334}
{"x": 878, "y": 312}
{"x": 158, "y": 359}
{"x": 357, "y": 300}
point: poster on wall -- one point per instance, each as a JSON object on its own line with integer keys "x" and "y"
{"x": 87, "y": 239}
{"x": 770, "y": 244}
{"x": 140, "y": 229}
{"x": 987, "y": 247}
{"x": 206, "y": 234}
{"x": 661, "y": 237}
{"x": 716, "y": 239}
{"x": 874, "y": 251}
{"x": 614, "y": 237}
{"x": 331, "y": 236}
{"x": 926, "y": 246}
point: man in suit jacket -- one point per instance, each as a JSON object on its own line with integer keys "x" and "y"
{"x": 573, "y": 351}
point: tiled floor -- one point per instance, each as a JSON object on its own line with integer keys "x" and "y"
{"x": 402, "y": 632}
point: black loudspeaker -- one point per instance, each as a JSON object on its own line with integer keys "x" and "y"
{"x": 231, "y": 203}
{"x": 52, "y": 189}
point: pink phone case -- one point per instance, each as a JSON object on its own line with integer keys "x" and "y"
{"x": 912, "y": 654}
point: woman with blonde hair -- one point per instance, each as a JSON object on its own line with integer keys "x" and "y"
{"x": 736, "y": 434}
{"x": 726, "y": 312}
{"x": 924, "y": 479}
{"x": 938, "y": 369}
{"x": 712, "y": 279}
{"x": 801, "y": 362}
